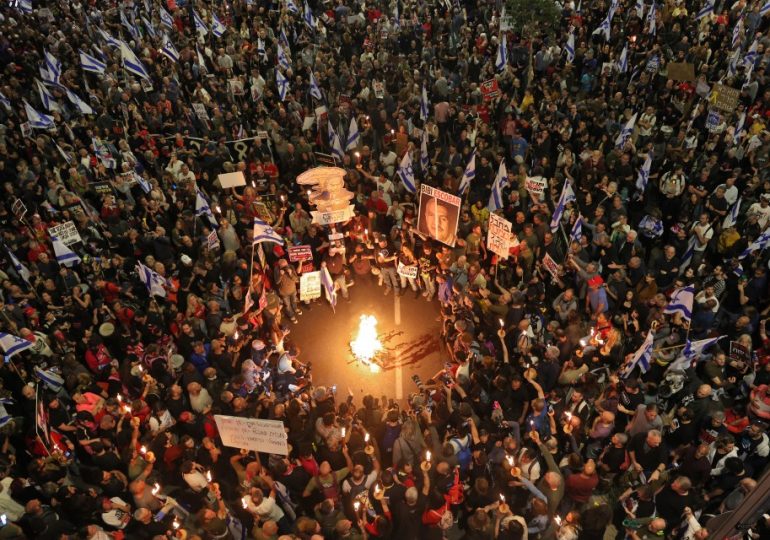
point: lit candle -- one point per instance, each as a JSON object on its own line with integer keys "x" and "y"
{"x": 343, "y": 432}
{"x": 557, "y": 519}
{"x": 532, "y": 424}
{"x": 356, "y": 506}
{"x": 235, "y": 335}
{"x": 358, "y": 157}
{"x": 502, "y": 324}
{"x": 502, "y": 498}
{"x": 127, "y": 409}
{"x": 510, "y": 461}
{"x": 568, "y": 415}
{"x": 156, "y": 489}
{"x": 308, "y": 193}
{"x": 141, "y": 369}
{"x": 427, "y": 456}
{"x": 219, "y": 211}
{"x": 176, "y": 523}
{"x": 120, "y": 398}
{"x": 283, "y": 198}
{"x": 366, "y": 232}
{"x": 243, "y": 502}
{"x": 208, "y": 476}
{"x": 366, "y": 438}
{"x": 143, "y": 450}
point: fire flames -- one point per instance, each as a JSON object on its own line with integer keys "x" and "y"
{"x": 366, "y": 344}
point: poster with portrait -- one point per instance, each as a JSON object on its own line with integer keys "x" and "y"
{"x": 439, "y": 215}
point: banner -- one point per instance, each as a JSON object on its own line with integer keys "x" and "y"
{"x": 66, "y": 232}
{"x": 300, "y": 253}
{"x": 310, "y": 286}
{"x": 407, "y": 271}
{"x": 551, "y": 265}
{"x": 268, "y": 436}
{"x": 212, "y": 241}
{"x": 439, "y": 215}
{"x": 499, "y": 235}
{"x": 338, "y": 216}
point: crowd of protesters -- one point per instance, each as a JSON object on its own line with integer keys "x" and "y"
{"x": 570, "y": 406}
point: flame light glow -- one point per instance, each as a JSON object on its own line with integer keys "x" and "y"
{"x": 366, "y": 344}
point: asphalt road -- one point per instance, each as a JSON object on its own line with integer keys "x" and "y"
{"x": 407, "y": 328}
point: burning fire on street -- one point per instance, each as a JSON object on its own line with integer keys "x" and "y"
{"x": 366, "y": 345}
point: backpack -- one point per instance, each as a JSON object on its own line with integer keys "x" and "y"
{"x": 463, "y": 452}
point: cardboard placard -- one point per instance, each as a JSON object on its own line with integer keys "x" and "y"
{"x": 200, "y": 111}
{"x": 536, "y": 185}
{"x": 337, "y": 216}
{"x": 66, "y": 232}
{"x": 681, "y": 71}
{"x": 310, "y": 286}
{"x": 713, "y": 120}
{"x": 499, "y": 235}
{"x": 300, "y": 253}
{"x": 490, "y": 89}
{"x": 267, "y": 436}
{"x": 235, "y": 179}
{"x": 724, "y": 97}
{"x": 409, "y": 272}
{"x": 212, "y": 241}
{"x": 551, "y": 265}
{"x": 18, "y": 209}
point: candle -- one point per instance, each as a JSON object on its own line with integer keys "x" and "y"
{"x": 568, "y": 415}
{"x": 208, "y": 476}
{"x": 176, "y": 523}
{"x": 502, "y": 324}
{"x": 356, "y": 506}
{"x": 243, "y": 502}
{"x": 502, "y": 498}
{"x": 308, "y": 193}
{"x": 127, "y": 409}
{"x": 156, "y": 489}
{"x": 427, "y": 455}
{"x": 140, "y": 369}
{"x": 532, "y": 424}
{"x": 510, "y": 460}
{"x": 557, "y": 519}
{"x": 343, "y": 432}
{"x": 283, "y": 198}
{"x": 143, "y": 450}
{"x": 120, "y": 398}
{"x": 366, "y": 438}
{"x": 358, "y": 157}
{"x": 219, "y": 211}
{"x": 235, "y": 335}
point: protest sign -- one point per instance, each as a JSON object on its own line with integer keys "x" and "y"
{"x": 740, "y": 353}
{"x": 268, "y": 436}
{"x": 439, "y": 215}
{"x": 102, "y": 188}
{"x": 337, "y": 216}
{"x": 66, "y": 232}
{"x": 310, "y": 286}
{"x": 336, "y": 236}
{"x": 407, "y": 271}
{"x": 724, "y": 97}
{"x": 212, "y": 241}
{"x": 712, "y": 120}
{"x": 681, "y": 71}
{"x": 234, "y": 179}
{"x": 18, "y": 209}
{"x": 490, "y": 89}
{"x": 536, "y": 185}
{"x": 200, "y": 111}
{"x": 300, "y": 253}
{"x": 498, "y": 237}
{"x": 551, "y": 265}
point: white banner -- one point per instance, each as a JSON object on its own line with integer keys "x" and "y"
{"x": 267, "y": 436}
{"x": 337, "y": 216}
{"x": 66, "y": 232}
{"x": 407, "y": 271}
{"x": 499, "y": 236}
{"x": 310, "y": 286}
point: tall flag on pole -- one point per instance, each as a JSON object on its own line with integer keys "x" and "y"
{"x": 693, "y": 350}
{"x": 576, "y": 234}
{"x": 12, "y": 345}
{"x": 328, "y": 283}
{"x": 49, "y": 102}
{"x": 64, "y": 255}
{"x": 424, "y": 157}
{"x": 652, "y": 22}
{"x": 737, "y": 32}
{"x": 168, "y": 50}
{"x": 265, "y": 233}
{"x": 732, "y": 216}
{"x": 760, "y": 243}
{"x": 217, "y": 28}
{"x": 132, "y": 63}
{"x": 284, "y": 60}
{"x": 282, "y": 83}
{"x": 38, "y": 120}
{"x": 22, "y": 270}
{"x": 165, "y": 17}
{"x": 261, "y": 51}
{"x": 501, "y": 181}
{"x": 623, "y": 60}
{"x": 89, "y": 63}
{"x": 706, "y": 10}
{"x": 111, "y": 41}
{"x": 644, "y": 174}
{"x": 406, "y": 173}
{"x": 291, "y": 6}
{"x": 641, "y": 357}
{"x": 132, "y": 29}
{"x": 152, "y": 280}
{"x": 334, "y": 142}
{"x": 80, "y": 105}
{"x": 567, "y": 195}
{"x": 53, "y": 66}
{"x": 681, "y": 302}
{"x": 25, "y": 6}
{"x": 200, "y": 26}
{"x": 688, "y": 254}
{"x": 569, "y": 48}
{"x": 354, "y": 137}
{"x": 424, "y": 104}
{"x": 468, "y": 175}
{"x": 315, "y": 90}
{"x": 626, "y": 132}
{"x": 202, "y": 208}
{"x": 606, "y": 24}
{"x": 150, "y": 28}
{"x": 502, "y": 54}
{"x": 310, "y": 20}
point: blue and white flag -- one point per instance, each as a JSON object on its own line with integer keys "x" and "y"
{"x": 89, "y": 63}
{"x": 315, "y": 90}
{"x": 291, "y": 6}
{"x": 644, "y": 174}
{"x": 25, "y": 6}
{"x": 424, "y": 104}
{"x": 760, "y": 243}
{"x": 310, "y": 20}
{"x": 152, "y": 280}
{"x": 5, "y": 101}
{"x": 202, "y": 208}
{"x": 569, "y": 47}
{"x": 49, "y": 102}
{"x": 217, "y": 27}
{"x": 165, "y": 17}
{"x": 496, "y": 201}
{"x": 567, "y": 196}
{"x": 265, "y": 233}
{"x": 740, "y": 127}
{"x": 688, "y": 253}
{"x": 639, "y": 8}
{"x": 13, "y": 345}
{"x": 328, "y": 283}
{"x": 103, "y": 153}
{"x": 133, "y": 30}
{"x": 576, "y": 234}
{"x": 64, "y": 255}
{"x": 111, "y": 41}
{"x": 200, "y": 26}
{"x": 406, "y": 173}
{"x": 282, "y": 83}
{"x": 502, "y": 54}
{"x": 144, "y": 184}
{"x": 284, "y": 60}
{"x": 354, "y": 137}
{"x": 652, "y": 22}
{"x": 651, "y": 227}
{"x": 169, "y": 51}
{"x": 334, "y": 142}
{"x": 53, "y": 66}
{"x": 283, "y": 39}
{"x": 22, "y": 270}
{"x": 692, "y": 351}
{"x": 737, "y": 33}
{"x": 261, "y": 51}
{"x": 52, "y": 380}
{"x": 424, "y": 157}
{"x": 641, "y": 357}
{"x": 623, "y": 60}
{"x": 150, "y": 28}
{"x": 732, "y": 216}
{"x": 625, "y": 133}
{"x": 132, "y": 63}
{"x": 606, "y": 25}
{"x": 681, "y": 302}
{"x": 765, "y": 9}
{"x": 38, "y": 120}
{"x": 468, "y": 175}
{"x": 706, "y": 10}
{"x": 80, "y": 105}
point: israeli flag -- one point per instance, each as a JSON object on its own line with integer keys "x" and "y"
{"x": 291, "y": 6}
{"x": 47, "y": 98}
{"x": 502, "y": 54}
{"x": 424, "y": 157}
{"x": 202, "y": 208}
{"x": 760, "y": 243}
{"x": 5, "y": 101}
{"x": 89, "y": 63}
{"x": 693, "y": 350}
{"x": 265, "y": 233}
{"x": 424, "y": 104}
{"x": 576, "y": 234}
{"x": 651, "y": 227}
{"x": 282, "y": 39}
{"x": 652, "y": 23}
{"x": 53, "y": 381}
{"x": 737, "y": 31}
{"x": 22, "y": 270}
{"x": 334, "y": 142}
{"x": 310, "y": 20}
{"x": 623, "y": 60}
{"x": 328, "y": 283}
{"x": 25, "y": 6}
{"x": 681, "y": 302}
{"x": 200, "y": 26}
{"x": 468, "y": 175}
{"x": 688, "y": 253}
{"x": 261, "y": 49}
{"x": 569, "y": 48}
{"x": 641, "y": 357}
{"x": 644, "y": 174}
{"x": 765, "y": 9}
{"x": 354, "y": 137}
{"x": 282, "y": 83}
{"x": 53, "y": 66}
{"x": 640, "y": 8}
{"x": 217, "y": 27}
{"x": 144, "y": 184}
{"x": 604, "y": 28}
{"x": 132, "y": 63}
{"x": 706, "y": 10}
{"x": 111, "y": 41}
{"x": 740, "y": 127}
{"x": 165, "y": 17}
{"x": 751, "y": 55}
{"x": 150, "y": 28}
{"x": 169, "y": 51}
{"x": 64, "y": 255}
{"x": 406, "y": 173}
{"x": 626, "y": 132}
{"x": 152, "y": 280}
{"x": 567, "y": 195}
{"x": 132, "y": 29}
{"x": 38, "y": 120}
{"x": 284, "y": 60}
{"x": 732, "y": 216}
{"x": 501, "y": 181}
{"x": 315, "y": 90}
{"x": 103, "y": 153}
{"x": 80, "y": 105}
{"x": 13, "y": 345}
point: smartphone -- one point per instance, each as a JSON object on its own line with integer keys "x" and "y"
{"x": 496, "y": 405}
{"x": 334, "y": 389}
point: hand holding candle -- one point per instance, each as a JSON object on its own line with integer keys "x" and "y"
{"x": 503, "y": 506}
{"x": 368, "y": 449}
{"x": 425, "y": 465}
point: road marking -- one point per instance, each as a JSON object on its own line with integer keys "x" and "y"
{"x": 399, "y": 370}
